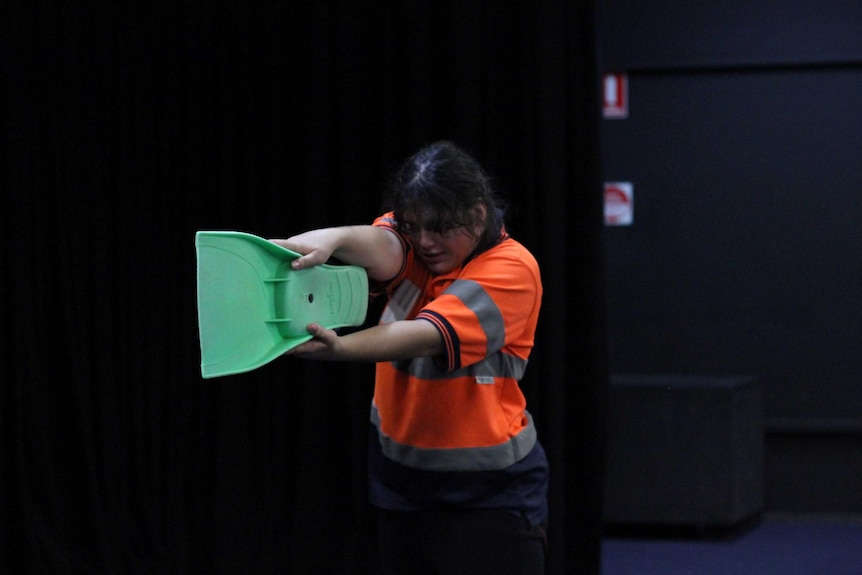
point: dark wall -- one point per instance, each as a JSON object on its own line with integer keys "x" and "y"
{"x": 743, "y": 142}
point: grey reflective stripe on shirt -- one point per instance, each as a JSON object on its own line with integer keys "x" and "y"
{"x": 471, "y": 294}
{"x": 488, "y": 458}
{"x": 474, "y": 296}
{"x": 498, "y": 365}
{"x": 401, "y": 302}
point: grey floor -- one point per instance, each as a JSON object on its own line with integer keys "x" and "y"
{"x": 777, "y": 545}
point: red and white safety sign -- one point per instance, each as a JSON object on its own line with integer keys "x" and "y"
{"x": 615, "y": 96}
{"x": 619, "y": 203}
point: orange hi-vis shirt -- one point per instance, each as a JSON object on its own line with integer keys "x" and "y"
{"x": 463, "y": 410}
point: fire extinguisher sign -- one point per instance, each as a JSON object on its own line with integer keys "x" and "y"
{"x": 615, "y": 96}
{"x": 619, "y": 203}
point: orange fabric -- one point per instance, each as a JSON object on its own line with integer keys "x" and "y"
{"x": 459, "y": 400}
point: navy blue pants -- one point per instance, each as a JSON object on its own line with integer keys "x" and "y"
{"x": 451, "y": 542}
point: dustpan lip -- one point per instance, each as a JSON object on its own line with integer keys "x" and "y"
{"x": 285, "y": 345}
{"x": 274, "y": 248}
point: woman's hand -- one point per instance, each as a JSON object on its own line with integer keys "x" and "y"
{"x": 377, "y": 250}
{"x": 316, "y": 246}
{"x": 323, "y": 346}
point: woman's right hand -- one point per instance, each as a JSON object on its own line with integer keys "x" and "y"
{"x": 316, "y": 246}
{"x": 377, "y": 250}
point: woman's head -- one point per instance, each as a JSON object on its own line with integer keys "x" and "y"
{"x": 441, "y": 188}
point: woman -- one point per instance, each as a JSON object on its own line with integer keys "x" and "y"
{"x": 455, "y": 468}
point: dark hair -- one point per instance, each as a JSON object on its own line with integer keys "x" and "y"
{"x": 439, "y": 185}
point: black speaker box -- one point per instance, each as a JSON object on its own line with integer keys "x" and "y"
{"x": 684, "y": 451}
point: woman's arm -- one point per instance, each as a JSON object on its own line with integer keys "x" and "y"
{"x": 394, "y": 341}
{"x": 378, "y": 250}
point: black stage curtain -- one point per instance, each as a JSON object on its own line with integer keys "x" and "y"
{"x": 127, "y": 128}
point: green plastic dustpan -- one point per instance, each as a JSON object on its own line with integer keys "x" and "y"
{"x": 253, "y": 307}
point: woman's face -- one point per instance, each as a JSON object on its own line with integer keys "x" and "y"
{"x": 445, "y": 250}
